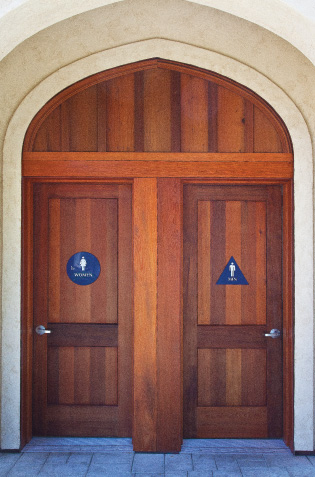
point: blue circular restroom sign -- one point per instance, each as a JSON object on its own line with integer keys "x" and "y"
{"x": 83, "y": 268}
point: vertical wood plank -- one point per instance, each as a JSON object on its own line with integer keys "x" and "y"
{"x": 125, "y": 310}
{"x": 249, "y": 262}
{"x": 104, "y": 245}
{"x": 82, "y": 233}
{"x": 48, "y": 137}
{"x": 120, "y": 114}
{"x": 274, "y": 308}
{"x": 233, "y": 377}
{"x": 204, "y": 377}
{"x": 254, "y": 377}
{"x": 169, "y": 319}
{"x": 249, "y": 126}
{"x": 190, "y": 311}
{"x": 266, "y": 138}
{"x": 145, "y": 314}
{"x": 233, "y": 247}
{"x": 97, "y": 376}
{"x": 101, "y": 116}
{"x": 67, "y": 249}
{"x": 261, "y": 263}
{"x": 175, "y": 112}
{"x": 139, "y": 112}
{"x": 230, "y": 121}
{"x": 53, "y": 375}
{"x": 79, "y": 121}
{"x": 211, "y": 377}
{"x": 111, "y": 377}
{"x": 194, "y": 114}
{"x": 212, "y": 117}
{"x": 204, "y": 264}
{"x": 82, "y": 359}
{"x": 218, "y": 262}
{"x": 157, "y": 110}
{"x": 66, "y": 375}
{"x": 54, "y": 260}
{"x": 40, "y": 308}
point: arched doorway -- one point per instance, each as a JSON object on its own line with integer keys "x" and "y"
{"x": 158, "y": 128}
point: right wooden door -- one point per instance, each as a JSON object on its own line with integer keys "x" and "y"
{"x": 232, "y": 298}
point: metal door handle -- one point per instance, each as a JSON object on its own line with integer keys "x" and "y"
{"x": 41, "y": 330}
{"x": 274, "y": 333}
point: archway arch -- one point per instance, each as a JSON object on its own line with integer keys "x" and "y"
{"x": 296, "y": 124}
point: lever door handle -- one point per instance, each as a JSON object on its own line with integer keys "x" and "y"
{"x": 274, "y": 333}
{"x": 41, "y": 330}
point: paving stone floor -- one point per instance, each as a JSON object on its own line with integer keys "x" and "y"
{"x": 202, "y": 458}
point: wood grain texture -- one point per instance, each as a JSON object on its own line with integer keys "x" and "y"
{"x": 231, "y": 377}
{"x": 194, "y": 114}
{"x": 159, "y": 156}
{"x": 204, "y": 262}
{"x": 77, "y": 365}
{"x": 145, "y": 312}
{"x": 169, "y": 316}
{"x": 157, "y": 110}
{"x": 100, "y": 128}
{"x": 231, "y": 124}
{"x": 82, "y": 224}
{"x": 232, "y": 422}
{"x": 120, "y": 114}
{"x": 157, "y": 106}
{"x": 128, "y": 169}
{"x": 228, "y": 362}
{"x": 233, "y": 247}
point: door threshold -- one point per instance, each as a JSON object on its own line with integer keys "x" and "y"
{"x": 112, "y": 444}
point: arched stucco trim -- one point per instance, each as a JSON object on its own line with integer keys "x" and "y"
{"x": 296, "y": 25}
{"x": 303, "y": 198}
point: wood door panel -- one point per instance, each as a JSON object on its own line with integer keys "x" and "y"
{"x": 82, "y": 224}
{"x": 232, "y": 422}
{"x": 227, "y": 229}
{"x": 231, "y": 377}
{"x": 82, "y": 375}
{"x": 63, "y": 420}
{"x": 74, "y": 334}
{"x": 231, "y": 336}
{"x": 228, "y": 361}
{"x": 85, "y": 362}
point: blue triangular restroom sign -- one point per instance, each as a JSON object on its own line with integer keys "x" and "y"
{"x": 232, "y": 274}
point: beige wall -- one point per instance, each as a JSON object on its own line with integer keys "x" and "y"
{"x": 127, "y": 31}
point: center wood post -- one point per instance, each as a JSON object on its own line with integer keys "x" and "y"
{"x": 157, "y": 425}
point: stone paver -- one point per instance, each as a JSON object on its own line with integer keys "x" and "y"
{"x": 130, "y": 464}
{"x": 175, "y": 463}
{"x": 203, "y": 462}
{"x": 149, "y": 463}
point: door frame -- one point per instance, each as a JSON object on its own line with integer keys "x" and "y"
{"x": 27, "y": 293}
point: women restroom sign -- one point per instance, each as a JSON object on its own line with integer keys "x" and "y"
{"x": 232, "y": 274}
{"x": 83, "y": 268}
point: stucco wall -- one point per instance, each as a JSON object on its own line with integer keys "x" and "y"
{"x": 60, "y": 54}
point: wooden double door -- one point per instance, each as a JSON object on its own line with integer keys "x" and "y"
{"x": 86, "y": 382}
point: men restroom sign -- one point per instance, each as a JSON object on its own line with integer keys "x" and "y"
{"x": 232, "y": 274}
{"x": 83, "y": 268}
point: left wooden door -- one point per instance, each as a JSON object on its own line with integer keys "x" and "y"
{"x": 82, "y": 378}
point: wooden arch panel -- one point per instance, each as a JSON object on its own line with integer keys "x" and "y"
{"x": 157, "y": 106}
